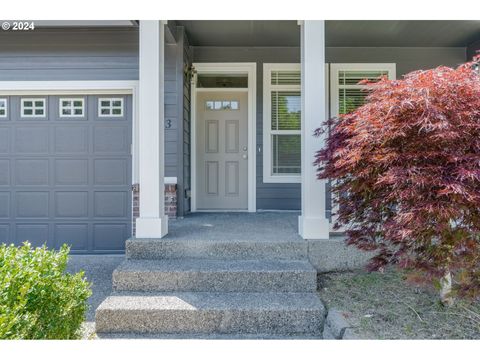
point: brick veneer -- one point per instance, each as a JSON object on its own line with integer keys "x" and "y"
{"x": 170, "y": 203}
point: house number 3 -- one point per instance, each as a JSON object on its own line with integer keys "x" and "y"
{"x": 168, "y": 124}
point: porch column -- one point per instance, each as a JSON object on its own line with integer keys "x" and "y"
{"x": 152, "y": 223}
{"x": 313, "y": 223}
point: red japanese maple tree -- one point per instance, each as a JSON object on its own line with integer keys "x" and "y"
{"x": 406, "y": 171}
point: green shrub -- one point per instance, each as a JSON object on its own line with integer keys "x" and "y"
{"x": 38, "y": 299}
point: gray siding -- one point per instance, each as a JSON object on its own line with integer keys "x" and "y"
{"x": 473, "y": 49}
{"x": 89, "y": 54}
{"x": 287, "y": 196}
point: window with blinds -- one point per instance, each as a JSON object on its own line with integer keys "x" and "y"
{"x": 282, "y": 122}
{"x": 351, "y": 95}
{"x": 282, "y": 116}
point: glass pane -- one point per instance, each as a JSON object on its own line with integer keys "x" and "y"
{"x": 286, "y": 154}
{"x": 38, "y": 111}
{"x": 222, "y": 81}
{"x": 78, "y": 103}
{"x": 117, "y": 103}
{"x": 105, "y": 103}
{"x": 117, "y": 111}
{"x": 353, "y": 77}
{"x": 66, "y": 112}
{"x": 2, "y": 112}
{"x": 209, "y": 105}
{"x": 286, "y": 110}
{"x": 350, "y": 99}
{"x": 226, "y": 105}
{"x": 65, "y": 103}
{"x": 78, "y": 112}
{"x": 27, "y": 112}
{"x": 105, "y": 112}
{"x": 3, "y": 104}
{"x": 234, "y": 105}
{"x": 27, "y": 104}
{"x": 39, "y": 103}
{"x": 218, "y": 105}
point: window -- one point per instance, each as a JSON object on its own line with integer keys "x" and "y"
{"x": 221, "y": 105}
{"x": 72, "y": 107}
{"x": 282, "y": 123}
{"x": 346, "y": 94}
{"x": 111, "y": 107}
{"x": 33, "y": 107}
{"x": 3, "y": 108}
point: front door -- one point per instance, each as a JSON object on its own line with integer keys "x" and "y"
{"x": 222, "y": 138}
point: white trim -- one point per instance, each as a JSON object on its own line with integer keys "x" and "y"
{"x": 268, "y": 177}
{"x": 33, "y": 107}
{"x": 5, "y": 101}
{"x": 170, "y": 180}
{"x": 228, "y": 68}
{"x": 110, "y": 107}
{"x": 71, "y": 107}
{"x": 334, "y": 101}
{"x": 88, "y": 87}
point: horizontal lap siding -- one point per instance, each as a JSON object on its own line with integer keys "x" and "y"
{"x": 94, "y": 54}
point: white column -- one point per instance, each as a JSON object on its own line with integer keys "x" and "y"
{"x": 312, "y": 223}
{"x": 152, "y": 223}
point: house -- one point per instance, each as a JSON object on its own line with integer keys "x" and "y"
{"x": 110, "y": 128}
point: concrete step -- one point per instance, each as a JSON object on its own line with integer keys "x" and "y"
{"x": 216, "y": 249}
{"x": 215, "y": 275}
{"x": 211, "y": 313}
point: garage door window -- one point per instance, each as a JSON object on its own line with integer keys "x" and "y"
{"x": 3, "y": 108}
{"x": 33, "y": 107}
{"x": 72, "y": 107}
{"x": 111, "y": 107}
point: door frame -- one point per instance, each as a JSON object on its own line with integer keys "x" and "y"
{"x": 250, "y": 69}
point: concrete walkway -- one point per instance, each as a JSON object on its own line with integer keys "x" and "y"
{"x": 98, "y": 269}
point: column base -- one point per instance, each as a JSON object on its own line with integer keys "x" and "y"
{"x": 313, "y": 227}
{"x": 151, "y": 228}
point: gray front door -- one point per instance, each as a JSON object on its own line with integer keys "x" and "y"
{"x": 66, "y": 178}
{"x": 222, "y": 140}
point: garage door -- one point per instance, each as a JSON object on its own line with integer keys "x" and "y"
{"x": 65, "y": 171}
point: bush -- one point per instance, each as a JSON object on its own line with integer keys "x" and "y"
{"x": 38, "y": 299}
{"x": 406, "y": 167}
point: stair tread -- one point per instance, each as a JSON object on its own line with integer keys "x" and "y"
{"x": 211, "y": 301}
{"x": 210, "y": 265}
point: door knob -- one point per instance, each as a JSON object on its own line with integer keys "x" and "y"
{"x": 244, "y": 156}
{"x": 244, "y": 148}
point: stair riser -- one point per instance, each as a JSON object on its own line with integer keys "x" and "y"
{"x": 294, "y": 322}
{"x": 215, "y": 281}
{"x": 162, "y": 249}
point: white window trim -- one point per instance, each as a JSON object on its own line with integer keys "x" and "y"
{"x": 6, "y": 107}
{"x": 334, "y": 98}
{"x": 72, "y": 115}
{"x": 268, "y": 177}
{"x": 336, "y": 68}
{"x": 33, "y": 100}
{"x": 111, "y": 107}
